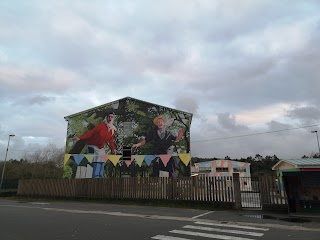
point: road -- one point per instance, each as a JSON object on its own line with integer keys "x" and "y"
{"x": 26, "y": 220}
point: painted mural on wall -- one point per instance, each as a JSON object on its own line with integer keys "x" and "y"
{"x": 226, "y": 168}
{"x": 128, "y": 137}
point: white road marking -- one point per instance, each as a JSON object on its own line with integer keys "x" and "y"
{"x": 224, "y": 230}
{"x": 162, "y": 237}
{"x": 203, "y": 214}
{"x": 233, "y": 226}
{"x": 174, "y": 218}
{"x": 208, "y": 235}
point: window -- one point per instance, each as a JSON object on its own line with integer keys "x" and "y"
{"x": 127, "y": 128}
{"x": 239, "y": 170}
{"x": 204, "y": 169}
{"x": 126, "y": 153}
{"x": 218, "y": 169}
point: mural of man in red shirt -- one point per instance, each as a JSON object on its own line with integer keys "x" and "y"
{"x": 95, "y": 140}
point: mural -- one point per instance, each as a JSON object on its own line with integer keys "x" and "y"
{"x": 226, "y": 168}
{"x": 126, "y": 138}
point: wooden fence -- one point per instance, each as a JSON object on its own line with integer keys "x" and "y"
{"x": 198, "y": 189}
{"x": 273, "y": 193}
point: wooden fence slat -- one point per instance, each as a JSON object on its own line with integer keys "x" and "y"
{"x": 200, "y": 188}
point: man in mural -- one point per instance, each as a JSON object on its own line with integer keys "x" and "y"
{"x": 95, "y": 140}
{"x": 162, "y": 138}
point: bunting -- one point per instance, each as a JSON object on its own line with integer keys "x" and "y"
{"x": 139, "y": 159}
{"x": 89, "y": 157}
{"x": 128, "y": 162}
{"x": 104, "y": 158}
{"x": 78, "y": 158}
{"x": 185, "y": 158}
{"x": 114, "y": 159}
{"x": 66, "y": 158}
{"x": 132, "y": 158}
{"x": 149, "y": 158}
{"x": 165, "y": 158}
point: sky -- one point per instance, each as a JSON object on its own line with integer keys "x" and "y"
{"x": 241, "y": 67}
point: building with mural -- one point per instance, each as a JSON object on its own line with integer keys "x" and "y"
{"x": 128, "y": 138}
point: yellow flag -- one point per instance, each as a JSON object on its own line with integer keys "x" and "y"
{"x": 139, "y": 159}
{"x": 66, "y": 158}
{"x": 114, "y": 159}
{"x": 89, "y": 157}
{"x": 185, "y": 158}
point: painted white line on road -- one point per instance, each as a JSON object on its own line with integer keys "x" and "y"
{"x": 203, "y": 214}
{"x": 209, "y": 235}
{"x": 233, "y": 226}
{"x": 225, "y": 230}
{"x": 162, "y": 237}
{"x": 174, "y": 218}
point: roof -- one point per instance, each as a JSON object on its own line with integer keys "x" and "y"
{"x": 207, "y": 163}
{"x": 122, "y": 99}
{"x": 300, "y": 163}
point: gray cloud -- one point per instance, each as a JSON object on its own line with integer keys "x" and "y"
{"x": 187, "y": 104}
{"x": 228, "y": 121}
{"x": 32, "y": 100}
{"x": 275, "y": 126}
{"x": 307, "y": 115}
{"x": 216, "y": 59}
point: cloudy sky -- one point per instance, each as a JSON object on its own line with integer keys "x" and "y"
{"x": 241, "y": 67}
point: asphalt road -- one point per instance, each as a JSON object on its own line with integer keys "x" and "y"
{"x": 26, "y": 220}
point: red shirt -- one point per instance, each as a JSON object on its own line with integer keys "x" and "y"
{"x": 99, "y": 136}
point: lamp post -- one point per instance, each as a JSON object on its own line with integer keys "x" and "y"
{"x": 316, "y": 132}
{"x": 5, "y": 159}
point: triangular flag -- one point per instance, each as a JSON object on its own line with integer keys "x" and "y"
{"x": 139, "y": 159}
{"x": 128, "y": 162}
{"x": 114, "y": 159}
{"x": 66, "y": 158}
{"x": 185, "y": 158}
{"x": 89, "y": 157}
{"x": 132, "y": 157}
{"x": 104, "y": 158}
{"x": 165, "y": 158}
{"x": 78, "y": 158}
{"x": 149, "y": 158}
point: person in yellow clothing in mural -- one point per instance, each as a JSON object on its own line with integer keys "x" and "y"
{"x": 95, "y": 140}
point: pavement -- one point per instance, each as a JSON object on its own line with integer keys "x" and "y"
{"x": 274, "y": 219}
{"x": 271, "y": 218}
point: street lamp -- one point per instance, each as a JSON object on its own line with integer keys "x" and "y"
{"x": 317, "y": 140}
{"x": 5, "y": 159}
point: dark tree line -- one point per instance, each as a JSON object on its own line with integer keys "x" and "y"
{"x": 41, "y": 164}
{"x": 258, "y": 164}
{"x": 47, "y": 163}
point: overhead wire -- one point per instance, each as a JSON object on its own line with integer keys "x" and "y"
{"x": 254, "y": 134}
{"x": 216, "y": 139}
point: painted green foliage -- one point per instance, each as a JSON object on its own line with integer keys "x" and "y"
{"x": 140, "y": 117}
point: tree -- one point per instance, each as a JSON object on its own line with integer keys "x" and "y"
{"x": 43, "y": 163}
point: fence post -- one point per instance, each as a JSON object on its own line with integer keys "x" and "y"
{"x": 237, "y": 192}
{"x": 263, "y": 191}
